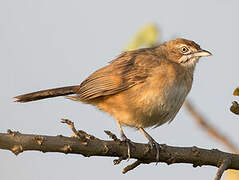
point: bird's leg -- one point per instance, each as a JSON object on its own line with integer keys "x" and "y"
{"x": 152, "y": 143}
{"x": 125, "y": 139}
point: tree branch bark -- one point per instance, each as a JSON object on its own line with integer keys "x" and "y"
{"x": 91, "y": 146}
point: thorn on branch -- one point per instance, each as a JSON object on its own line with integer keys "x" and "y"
{"x": 118, "y": 161}
{"x": 67, "y": 149}
{"x": 39, "y": 140}
{"x": 12, "y": 133}
{"x": 82, "y": 135}
{"x": 216, "y": 150}
{"x": 224, "y": 165}
{"x": 17, "y": 149}
{"x": 112, "y": 136}
{"x": 106, "y": 149}
{"x": 195, "y": 151}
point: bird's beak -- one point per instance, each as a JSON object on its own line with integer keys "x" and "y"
{"x": 202, "y": 53}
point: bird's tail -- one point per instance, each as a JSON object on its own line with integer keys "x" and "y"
{"x": 49, "y": 93}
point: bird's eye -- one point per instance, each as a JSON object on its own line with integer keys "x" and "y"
{"x": 184, "y": 49}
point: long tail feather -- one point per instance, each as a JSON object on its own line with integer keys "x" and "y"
{"x": 49, "y": 93}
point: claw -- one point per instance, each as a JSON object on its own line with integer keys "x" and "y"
{"x": 152, "y": 144}
{"x": 125, "y": 140}
{"x": 129, "y": 143}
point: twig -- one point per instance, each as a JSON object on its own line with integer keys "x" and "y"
{"x": 72, "y": 126}
{"x": 112, "y": 136}
{"x": 78, "y": 134}
{"x": 131, "y": 166}
{"x": 209, "y": 128}
{"x": 225, "y": 164}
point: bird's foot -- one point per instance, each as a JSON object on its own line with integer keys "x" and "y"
{"x": 129, "y": 144}
{"x": 158, "y": 147}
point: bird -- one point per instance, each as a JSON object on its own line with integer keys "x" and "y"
{"x": 140, "y": 88}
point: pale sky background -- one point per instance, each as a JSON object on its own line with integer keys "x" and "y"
{"x": 54, "y": 43}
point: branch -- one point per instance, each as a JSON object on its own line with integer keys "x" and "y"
{"x": 91, "y": 146}
{"x": 212, "y": 131}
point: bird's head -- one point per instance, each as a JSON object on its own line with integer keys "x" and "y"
{"x": 184, "y": 52}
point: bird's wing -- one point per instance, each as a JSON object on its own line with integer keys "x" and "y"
{"x": 129, "y": 69}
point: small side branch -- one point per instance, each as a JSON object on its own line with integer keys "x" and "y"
{"x": 131, "y": 166}
{"x": 77, "y": 134}
{"x": 224, "y": 166}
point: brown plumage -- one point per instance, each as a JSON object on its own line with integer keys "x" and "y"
{"x": 140, "y": 88}
{"x": 49, "y": 93}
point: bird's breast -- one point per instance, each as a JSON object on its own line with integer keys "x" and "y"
{"x": 161, "y": 101}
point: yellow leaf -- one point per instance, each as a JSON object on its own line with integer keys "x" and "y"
{"x": 147, "y": 36}
{"x": 236, "y": 92}
{"x": 232, "y": 175}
